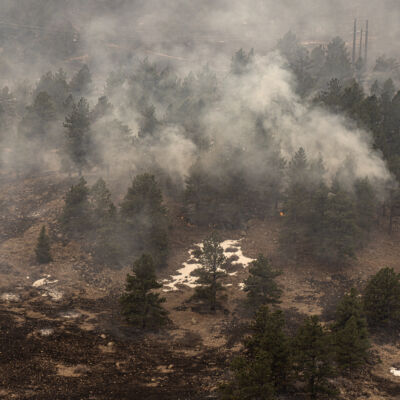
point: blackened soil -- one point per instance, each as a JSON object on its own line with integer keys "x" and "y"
{"x": 131, "y": 368}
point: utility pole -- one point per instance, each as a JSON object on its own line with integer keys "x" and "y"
{"x": 366, "y": 45}
{"x": 354, "y": 42}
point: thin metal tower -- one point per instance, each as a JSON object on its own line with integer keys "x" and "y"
{"x": 354, "y": 41}
{"x": 366, "y": 45}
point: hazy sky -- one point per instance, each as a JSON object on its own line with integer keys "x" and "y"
{"x": 194, "y": 30}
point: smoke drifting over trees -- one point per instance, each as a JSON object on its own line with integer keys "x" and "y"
{"x": 125, "y": 99}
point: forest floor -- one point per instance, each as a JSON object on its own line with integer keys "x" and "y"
{"x": 62, "y": 337}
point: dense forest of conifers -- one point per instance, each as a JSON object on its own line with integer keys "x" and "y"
{"x": 166, "y": 130}
{"x": 222, "y": 178}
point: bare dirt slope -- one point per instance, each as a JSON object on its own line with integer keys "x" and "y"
{"x": 61, "y": 335}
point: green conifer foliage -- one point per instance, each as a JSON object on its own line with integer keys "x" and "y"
{"x": 107, "y": 249}
{"x": 264, "y": 369}
{"x": 145, "y": 218}
{"x": 42, "y": 250}
{"x": 140, "y": 306}
{"x": 269, "y": 336}
{"x": 78, "y": 135}
{"x": 260, "y": 286}
{"x": 103, "y": 207}
{"x": 212, "y": 260}
{"x": 382, "y": 299}
{"x": 76, "y": 212}
{"x": 351, "y": 333}
{"x": 313, "y": 359}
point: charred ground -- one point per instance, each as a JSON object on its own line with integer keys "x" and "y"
{"x": 79, "y": 346}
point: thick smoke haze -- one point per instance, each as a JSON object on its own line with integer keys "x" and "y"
{"x": 194, "y": 42}
{"x": 108, "y": 32}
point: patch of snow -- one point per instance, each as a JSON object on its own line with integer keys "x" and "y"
{"x": 395, "y": 371}
{"x": 242, "y": 259}
{"x": 43, "y": 282}
{"x": 70, "y": 314}
{"x": 184, "y": 276}
{"x": 241, "y": 285}
{"x": 46, "y": 331}
{"x": 9, "y": 297}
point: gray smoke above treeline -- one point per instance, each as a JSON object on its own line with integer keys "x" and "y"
{"x": 183, "y": 106}
{"x": 104, "y": 31}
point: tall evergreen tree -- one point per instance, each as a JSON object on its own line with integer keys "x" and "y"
{"x": 103, "y": 207}
{"x": 107, "y": 248}
{"x": 251, "y": 379}
{"x": 212, "y": 260}
{"x": 340, "y": 226}
{"x": 42, "y": 250}
{"x": 140, "y": 305}
{"x": 337, "y": 61}
{"x": 313, "y": 359}
{"x": 78, "y": 140}
{"x": 382, "y": 299}
{"x": 351, "y": 347}
{"x": 260, "y": 286}
{"x": 146, "y": 218}
{"x": 264, "y": 369}
{"x": 351, "y": 333}
{"x": 241, "y": 62}
{"x": 294, "y": 238}
{"x": 269, "y": 336}
{"x": 81, "y": 81}
{"x": 76, "y": 212}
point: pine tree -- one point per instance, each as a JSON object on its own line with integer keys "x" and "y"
{"x": 212, "y": 260}
{"x": 269, "y": 336}
{"x": 351, "y": 333}
{"x": 337, "y": 61}
{"x": 251, "y": 379}
{"x": 340, "y": 226}
{"x": 144, "y": 196}
{"x": 78, "y": 138}
{"x": 260, "y": 286}
{"x": 140, "y": 306}
{"x": 81, "y": 81}
{"x": 382, "y": 299}
{"x": 351, "y": 347}
{"x": 103, "y": 207}
{"x": 145, "y": 218}
{"x": 76, "y": 212}
{"x": 294, "y": 238}
{"x": 107, "y": 248}
{"x": 42, "y": 250}
{"x": 241, "y": 62}
{"x": 264, "y": 369}
{"x": 313, "y": 359}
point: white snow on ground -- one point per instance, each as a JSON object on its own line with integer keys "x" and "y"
{"x": 70, "y": 314}
{"x": 184, "y": 276}
{"x": 44, "y": 283}
{"x": 9, "y": 297}
{"x": 239, "y": 253}
{"x": 46, "y": 331}
{"x": 395, "y": 371}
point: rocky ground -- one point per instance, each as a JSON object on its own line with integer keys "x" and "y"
{"x": 61, "y": 335}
